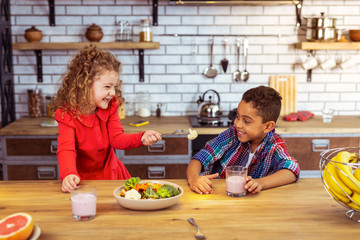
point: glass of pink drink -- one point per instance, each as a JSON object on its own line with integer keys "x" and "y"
{"x": 83, "y": 202}
{"x": 235, "y": 181}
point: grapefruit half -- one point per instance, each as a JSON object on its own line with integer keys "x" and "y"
{"x": 17, "y": 226}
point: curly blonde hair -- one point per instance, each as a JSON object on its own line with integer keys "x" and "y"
{"x": 75, "y": 94}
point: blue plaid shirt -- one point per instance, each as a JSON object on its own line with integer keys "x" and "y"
{"x": 227, "y": 150}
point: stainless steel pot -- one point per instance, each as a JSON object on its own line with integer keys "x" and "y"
{"x": 321, "y": 34}
{"x": 319, "y": 29}
{"x": 320, "y": 22}
{"x": 209, "y": 110}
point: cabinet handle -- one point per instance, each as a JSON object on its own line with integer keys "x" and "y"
{"x": 46, "y": 173}
{"x": 156, "y": 172}
{"x": 319, "y": 145}
{"x": 53, "y": 146}
{"x": 157, "y": 147}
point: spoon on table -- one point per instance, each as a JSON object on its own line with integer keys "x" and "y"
{"x": 244, "y": 76}
{"x": 237, "y": 73}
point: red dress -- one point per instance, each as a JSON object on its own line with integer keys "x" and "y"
{"x": 86, "y": 146}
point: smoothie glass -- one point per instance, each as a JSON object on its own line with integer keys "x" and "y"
{"x": 235, "y": 181}
{"x": 83, "y": 202}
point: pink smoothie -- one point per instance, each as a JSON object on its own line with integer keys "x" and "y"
{"x": 235, "y": 184}
{"x": 83, "y": 204}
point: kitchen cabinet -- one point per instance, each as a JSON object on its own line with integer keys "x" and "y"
{"x": 307, "y": 149}
{"x": 29, "y": 158}
{"x": 165, "y": 159}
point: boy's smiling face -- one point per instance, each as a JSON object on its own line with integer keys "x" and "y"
{"x": 249, "y": 125}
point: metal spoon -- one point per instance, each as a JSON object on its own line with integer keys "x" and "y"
{"x": 245, "y": 74}
{"x": 237, "y": 73}
{"x": 210, "y": 71}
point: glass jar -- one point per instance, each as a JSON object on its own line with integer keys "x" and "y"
{"x": 35, "y": 104}
{"x": 144, "y": 105}
{"x": 48, "y": 101}
{"x": 146, "y": 31}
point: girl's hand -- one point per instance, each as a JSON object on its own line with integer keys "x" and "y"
{"x": 252, "y": 185}
{"x": 150, "y": 137}
{"x": 70, "y": 182}
{"x": 202, "y": 184}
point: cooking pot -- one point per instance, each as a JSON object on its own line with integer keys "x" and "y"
{"x": 321, "y": 28}
{"x": 209, "y": 110}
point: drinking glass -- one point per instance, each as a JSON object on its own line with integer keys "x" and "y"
{"x": 235, "y": 181}
{"x": 83, "y": 202}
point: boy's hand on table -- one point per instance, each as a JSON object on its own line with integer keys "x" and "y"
{"x": 70, "y": 182}
{"x": 252, "y": 185}
{"x": 202, "y": 184}
{"x": 150, "y": 137}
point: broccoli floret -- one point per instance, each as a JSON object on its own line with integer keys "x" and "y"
{"x": 131, "y": 183}
{"x": 167, "y": 191}
{"x": 150, "y": 193}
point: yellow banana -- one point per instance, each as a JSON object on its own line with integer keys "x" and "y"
{"x": 335, "y": 184}
{"x": 345, "y": 172}
{"x": 357, "y": 173}
{"x": 356, "y": 198}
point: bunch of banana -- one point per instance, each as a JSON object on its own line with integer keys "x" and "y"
{"x": 341, "y": 182}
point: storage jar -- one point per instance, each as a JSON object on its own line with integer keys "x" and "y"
{"x": 146, "y": 31}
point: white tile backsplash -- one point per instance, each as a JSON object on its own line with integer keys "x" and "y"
{"x": 174, "y": 73}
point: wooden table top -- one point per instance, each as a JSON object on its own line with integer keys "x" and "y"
{"x": 166, "y": 125}
{"x": 303, "y": 210}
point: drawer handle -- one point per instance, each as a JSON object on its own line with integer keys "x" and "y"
{"x": 46, "y": 173}
{"x": 53, "y": 146}
{"x": 157, "y": 147}
{"x": 156, "y": 172}
{"x": 319, "y": 145}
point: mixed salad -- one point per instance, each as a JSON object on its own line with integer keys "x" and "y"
{"x": 135, "y": 190}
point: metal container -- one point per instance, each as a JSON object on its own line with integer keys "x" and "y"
{"x": 320, "y": 22}
{"x": 321, "y": 34}
{"x": 209, "y": 110}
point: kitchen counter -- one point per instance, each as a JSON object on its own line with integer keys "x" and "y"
{"x": 167, "y": 125}
{"x": 303, "y": 210}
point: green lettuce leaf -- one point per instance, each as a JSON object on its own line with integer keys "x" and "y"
{"x": 150, "y": 193}
{"x": 166, "y": 191}
{"x": 131, "y": 182}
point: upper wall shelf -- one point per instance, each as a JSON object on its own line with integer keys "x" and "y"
{"x": 38, "y": 47}
{"x": 234, "y": 2}
{"x": 329, "y": 45}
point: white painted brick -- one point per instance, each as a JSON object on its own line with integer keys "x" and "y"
{"x": 115, "y": 10}
{"x": 246, "y": 30}
{"x": 220, "y": 88}
{"x": 20, "y": 10}
{"x": 68, "y": 20}
{"x": 24, "y": 69}
{"x": 165, "y": 59}
{"x": 66, "y": 39}
{"x": 214, "y": 10}
{"x": 142, "y": 10}
{"x": 264, "y": 20}
{"x": 341, "y": 106}
{"x": 180, "y": 88}
{"x": 247, "y": 10}
{"x": 181, "y": 30}
{"x": 164, "y": 78}
{"x": 179, "y": 69}
{"x": 99, "y": 20}
{"x": 344, "y": 87}
{"x": 230, "y": 20}
{"x": 324, "y": 97}
{"x": 315, "y": 87}
{"x": 349, "y": 96}
{"x": 279, "y": 10}
{"x": 82, "y": 10}
{"x": 155, "y": 69}
{"x": 343, "y": 10}
{"x": 181, "y": 10}
{"x": 165, "y": 97}
{"x": 151, "y": 88}
{"x": 169, "y": 20}
{"x": 198, "y": 20}
{"x": 32, "y": 20}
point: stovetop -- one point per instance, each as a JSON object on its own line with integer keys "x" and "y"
{"x": 223, "y": 122}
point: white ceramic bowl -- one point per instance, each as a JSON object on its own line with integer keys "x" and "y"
{"x": 148, "y": 204}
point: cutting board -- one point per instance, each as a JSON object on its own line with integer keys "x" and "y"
{"x": 286, "y": 86}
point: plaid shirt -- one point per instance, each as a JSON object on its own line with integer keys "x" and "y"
{"x": 226, "y": 150}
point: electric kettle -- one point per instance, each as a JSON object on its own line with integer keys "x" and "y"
{"x": 209, "y": 109}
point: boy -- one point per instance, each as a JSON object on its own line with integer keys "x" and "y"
{"x": 251, "y": 142}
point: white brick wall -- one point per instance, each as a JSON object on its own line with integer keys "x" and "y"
{"x": 173, "y": 73}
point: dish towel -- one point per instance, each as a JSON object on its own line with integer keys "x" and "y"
{"x": 298, "y": 116}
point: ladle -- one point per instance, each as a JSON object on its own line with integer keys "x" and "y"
{"x": 237, "y": 73}
{"x": 245, "y": 74}
{"x": 210, "y": 71}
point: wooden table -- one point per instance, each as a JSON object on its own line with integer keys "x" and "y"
{"x": 303, "y": 210}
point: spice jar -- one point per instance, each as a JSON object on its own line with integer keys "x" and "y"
{"x": 48, "y": 101}
{"x": 144, "y": 106}
{"x": 146, "y": 31}
{"x": 35, "y": 104}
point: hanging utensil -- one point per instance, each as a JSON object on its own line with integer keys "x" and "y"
{"x": 237, "y": 73}
{"x": 210, "y": 71}
{"x": 224, "y": 61}
{"x": 245, "y": 74}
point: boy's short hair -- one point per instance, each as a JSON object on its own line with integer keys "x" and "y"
{"x": 266, "y": 100}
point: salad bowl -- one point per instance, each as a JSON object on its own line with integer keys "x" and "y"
{"x": 151, "y": 203}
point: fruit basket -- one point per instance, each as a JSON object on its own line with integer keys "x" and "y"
{"x": 340, "y": 174}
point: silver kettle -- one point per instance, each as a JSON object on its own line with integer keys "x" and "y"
{"x": 209, "y": 109}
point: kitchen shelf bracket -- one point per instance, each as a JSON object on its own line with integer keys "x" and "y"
{"x": 38, "y": 54}
{"x": 155, "y": 12}
{"x": 309, "y": 71}
{"x": 141, "y": 65}
{"x": 52, "y": 12}
{"x": 298, "y": 8}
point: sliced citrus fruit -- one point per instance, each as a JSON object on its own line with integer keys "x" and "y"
{"x": 17, "y": 226}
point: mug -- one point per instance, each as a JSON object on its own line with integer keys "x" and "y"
{"x": 347, "y": 63}
{"x": 328, "y": 63}
{"x": 309, "y": 63}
